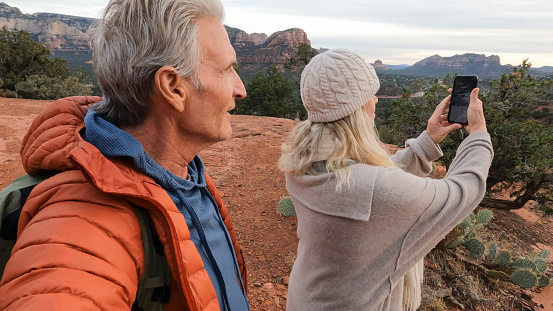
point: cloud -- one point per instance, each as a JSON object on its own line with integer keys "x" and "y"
{"x": 502, "y": 27}
{"x": 469, "y": 14}
{"x": 385, "y": 29}
{"x": 89, "y": 8}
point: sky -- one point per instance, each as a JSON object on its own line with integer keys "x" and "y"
{"x": 395, "y": 31}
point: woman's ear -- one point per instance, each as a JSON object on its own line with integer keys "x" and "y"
{"x": 169, "y": 85}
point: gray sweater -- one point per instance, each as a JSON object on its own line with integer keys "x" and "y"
{"x": 356, "y": 246}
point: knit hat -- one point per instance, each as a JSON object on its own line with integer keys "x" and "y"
{"x": 335, "y": 84}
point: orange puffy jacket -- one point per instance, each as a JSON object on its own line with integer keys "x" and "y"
{"x": 79, "y": 244}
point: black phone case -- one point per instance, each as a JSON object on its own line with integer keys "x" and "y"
{"x": 460, "y": 98}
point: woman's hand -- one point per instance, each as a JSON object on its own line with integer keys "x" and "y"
{"x": 475, "y": 114}
{"x": 438, "y": 127}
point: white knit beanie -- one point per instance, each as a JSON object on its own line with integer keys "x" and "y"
{"x": 335, "y": 84}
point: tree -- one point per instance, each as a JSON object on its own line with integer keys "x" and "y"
{"x": 25, "y": 67}
{"x": 302, "y": 57}
{"x": 269, "y": 94}
{"x": 523, "y": 162}
{"x": 295, "y": 65}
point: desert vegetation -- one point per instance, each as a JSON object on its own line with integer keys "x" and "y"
{"x": 27, "y": 71}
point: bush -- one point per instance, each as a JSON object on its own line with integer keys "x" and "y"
{"x": 29, "y": 72}
{"x": 523, "y": 162}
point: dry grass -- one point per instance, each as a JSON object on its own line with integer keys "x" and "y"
{"x": 436, "y": 304}
{"x": 470, "y": 287}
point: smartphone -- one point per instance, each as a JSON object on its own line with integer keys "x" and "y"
{"x": 460, "y": 98}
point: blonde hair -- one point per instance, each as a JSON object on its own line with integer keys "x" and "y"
{"x": 354, "y": 136}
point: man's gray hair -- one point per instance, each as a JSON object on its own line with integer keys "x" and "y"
{"x": 133, "y": 39}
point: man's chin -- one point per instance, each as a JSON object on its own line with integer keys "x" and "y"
{"x": 226, "y": 133}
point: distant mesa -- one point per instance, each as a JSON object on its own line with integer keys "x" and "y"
{"x": 466, "y": 64}
{"x": 63, "y": 34}
{"x": 258, "y": 50}
{"x": 57, "y": 32}
{"x": 258, "y": 38}
{"x": 69, "y": 37}
{"x": 460, "y": 61}
{"x": 5, "y": 9}
{"x": 378, "y": 65}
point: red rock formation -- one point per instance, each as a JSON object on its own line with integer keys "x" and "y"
{"x": 378, "y": 65}
{"x": 277, "y": 49}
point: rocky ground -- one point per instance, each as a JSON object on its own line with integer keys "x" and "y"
{"x": 244, "y": 169}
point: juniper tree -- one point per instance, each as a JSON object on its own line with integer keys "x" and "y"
{"x": 518, "y": 115}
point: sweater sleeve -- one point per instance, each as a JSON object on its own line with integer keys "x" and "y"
{"x": 427, "y": 209}
{"x": 418, "y": 155}
{"x": 75, "y": 256}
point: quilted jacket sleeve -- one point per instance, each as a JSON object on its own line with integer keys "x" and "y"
{"x": 73, "y": 254}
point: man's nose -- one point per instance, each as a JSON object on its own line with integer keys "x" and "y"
{"x": 239, "y": 89}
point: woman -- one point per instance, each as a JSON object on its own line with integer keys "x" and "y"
{"x": 365, "y": 219}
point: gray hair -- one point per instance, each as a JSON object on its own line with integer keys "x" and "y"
{"x": 133, "y": 39}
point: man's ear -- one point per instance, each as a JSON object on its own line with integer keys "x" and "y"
{"x": 169, "y": 85}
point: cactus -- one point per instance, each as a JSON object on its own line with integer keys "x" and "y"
{"x": 540, "y": 264}
{"x": 523, "y": 272}
{"x": 543, "y": 280}
{"x": 484, "y": 216}
{"x": 544, "y": 254}
{"x": 492, "y": 252}
{"x": 504, "y": 258}
{"x": 286, "y": 207}
{"x": 454, "y": 243}
{"x": 475, "y": 247}
{"x": 523, "y": 264}
{"x": 499, "y": 275}
{"x": 524, "y": 278}
{"x": 467, "y": 223}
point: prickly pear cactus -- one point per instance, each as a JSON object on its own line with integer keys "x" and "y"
{"x": 455, "y": 242}
{"x": 475, "y": 247}
{"x": 286, "y": 207}
{"x": 467, "y": 224}
{"x": 524, "y": 278}
{"x": 484, "y": 216}
{"x": 492, "y": 252}
{"x": 540, "y": 264}
{"x": 543, "y": 281}
{"x": 499, "y": 275}
{"x": 523, "y": 264}
{"x": 504, "y": 258}
{"x": 544, "y": 254}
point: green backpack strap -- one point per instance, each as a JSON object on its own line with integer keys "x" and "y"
{"x": 14, "y": 196}
{"x": 12, "y": 199}
{"x": 153, "y": 289}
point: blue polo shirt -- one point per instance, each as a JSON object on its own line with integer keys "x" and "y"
{"x": 193, "y": 200}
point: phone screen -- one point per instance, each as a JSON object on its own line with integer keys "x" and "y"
{"x": 460, "y": 98}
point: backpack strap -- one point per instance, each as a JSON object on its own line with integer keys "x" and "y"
{"x": 12, "y": 199}
{"x": 153, "y": 289}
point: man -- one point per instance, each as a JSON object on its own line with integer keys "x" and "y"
{"x": 166, "y": 68}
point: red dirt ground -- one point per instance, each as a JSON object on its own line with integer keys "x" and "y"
{"x": 244, "y": 169}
